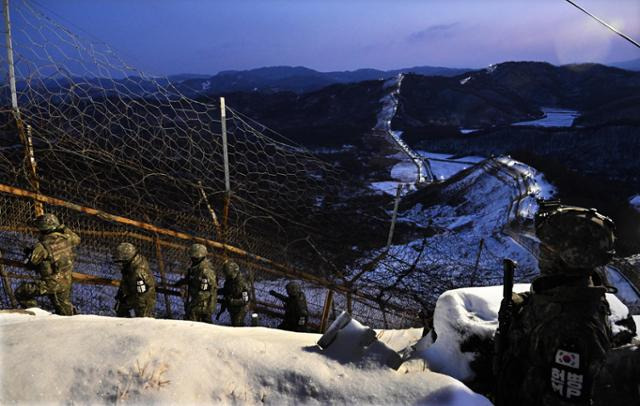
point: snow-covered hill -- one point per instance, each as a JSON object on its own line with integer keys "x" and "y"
{"x": 98, "y": 360}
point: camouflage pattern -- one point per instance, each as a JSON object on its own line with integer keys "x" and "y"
{"x": 573, "y": 238}
{"x": 236, "y": 293}
{"x": 125, "y": 252}
{"x": 558, "y": 337}
{"x": 295, "y": 309}
{"x": 202, "y": 290}
{"x": 618, "y": 379}
{"x": 197, "y": 251}
{"x": 137, "y": 290}
{"x": 47, "y": 222}
{"x": 53, "y": 257}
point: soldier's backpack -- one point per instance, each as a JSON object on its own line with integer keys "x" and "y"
{"x": 60, "y": 251}
{"x": 554, "y": 344}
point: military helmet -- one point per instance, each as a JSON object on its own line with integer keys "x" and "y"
{"x": 197, "y": 251}
{"x": 293, "y": 288}
{"x": 125, "y": 252}
{"x": 47, "y": 222}
{"x": 581, "y": 238}
{"x": 231, "y": 269}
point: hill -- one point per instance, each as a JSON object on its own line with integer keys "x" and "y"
{"x": 296, "y": 79}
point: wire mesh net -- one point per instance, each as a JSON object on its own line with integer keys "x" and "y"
{"x": 110, "y": 139}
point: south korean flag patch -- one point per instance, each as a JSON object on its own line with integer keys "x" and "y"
{"x": 568, "y": 359}
{"x": 141, "y": 287}
{"x": 567, "y": 377}
{"x": 204, "y": 284}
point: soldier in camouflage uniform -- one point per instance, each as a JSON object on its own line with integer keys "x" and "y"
{"x": 560, "y": 336}
{"x": 53, "y": 258}
{"x": 236, "y": 293}
{"x": 295, "y": 308}
{"x": 202, "y": 286}
{"x": 137, "y": 290}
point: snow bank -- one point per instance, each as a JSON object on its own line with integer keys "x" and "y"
{"x": 466, "y": 313}
{"x": 99, "y": 360}
{"x": 459, "y": 315}
{"x": 634, "y": 201}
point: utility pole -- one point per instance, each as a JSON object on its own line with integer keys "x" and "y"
{"x": 25, "y": 137}
{"x": 227, "y": 183}
{"x": 225, "y": 150}
{"x": 395, "y": 215}
{"x": 225, "y": 157}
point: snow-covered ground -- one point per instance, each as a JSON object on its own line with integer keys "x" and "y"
{"x": 463, "y": 313}
{"x": 480, "y": 215}
{"x": 385, "y": 116}
{"x": 444, "y": 167}
{"x": 626, "y": 292}
{"x": 553, "y": 117}
{"x": 104, "y": 360}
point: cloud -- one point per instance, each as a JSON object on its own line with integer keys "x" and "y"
{"x": 432, "y": 32}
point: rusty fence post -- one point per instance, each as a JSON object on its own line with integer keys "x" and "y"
{"x": 325, "y": 310}
{"x": 7, "y": 286}
{"x": 163, "y": 277}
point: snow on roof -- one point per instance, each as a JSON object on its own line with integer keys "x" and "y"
{"x": 97, "y": 360}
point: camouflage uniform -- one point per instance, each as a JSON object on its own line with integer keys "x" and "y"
{"x": 236, "y": 293}
{"x": 53, "y": 258}
{"x": 137, "y": 290}
{"x": 295, "y": 308}
{"x": 202, "y": 286}
{"x": 560, "y": 336}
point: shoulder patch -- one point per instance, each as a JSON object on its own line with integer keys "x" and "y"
{"x": 567, "y": 359}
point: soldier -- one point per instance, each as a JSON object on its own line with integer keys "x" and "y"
{"x": 559, "y": 335}
{"x": 202, "y": 286}
{"x": 295, "y": 308}
{"x": 236, "y": 294}
{"x": 137, "y": 290}
{"x": 53, "y": 258}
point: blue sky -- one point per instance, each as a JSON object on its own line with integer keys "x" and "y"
{"x": 167, "y": 37}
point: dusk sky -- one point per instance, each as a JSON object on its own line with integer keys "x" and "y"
{"x": 167, "y": 37}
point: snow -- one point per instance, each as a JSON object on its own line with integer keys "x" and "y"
{"x": 460, "y": 314}
{"x": 468, "y": 130}
{"x": 625, "y": 290}
{"x": 465, "y": 80}
{"x": 386, "y": 114}
{"x": 479, "y": 215}
{"x": 404, "y": 172}
{"x": 388, "y": 187}
{"x": 635, "y": 202}
{"x": 445, "y": 170}
{"x": 466, "y": 312}
{"x": 553, "y": 117}
{"x": 537, "y": 187}
{"x": 443, "y": 166}
{"x": 99, "y": 360}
